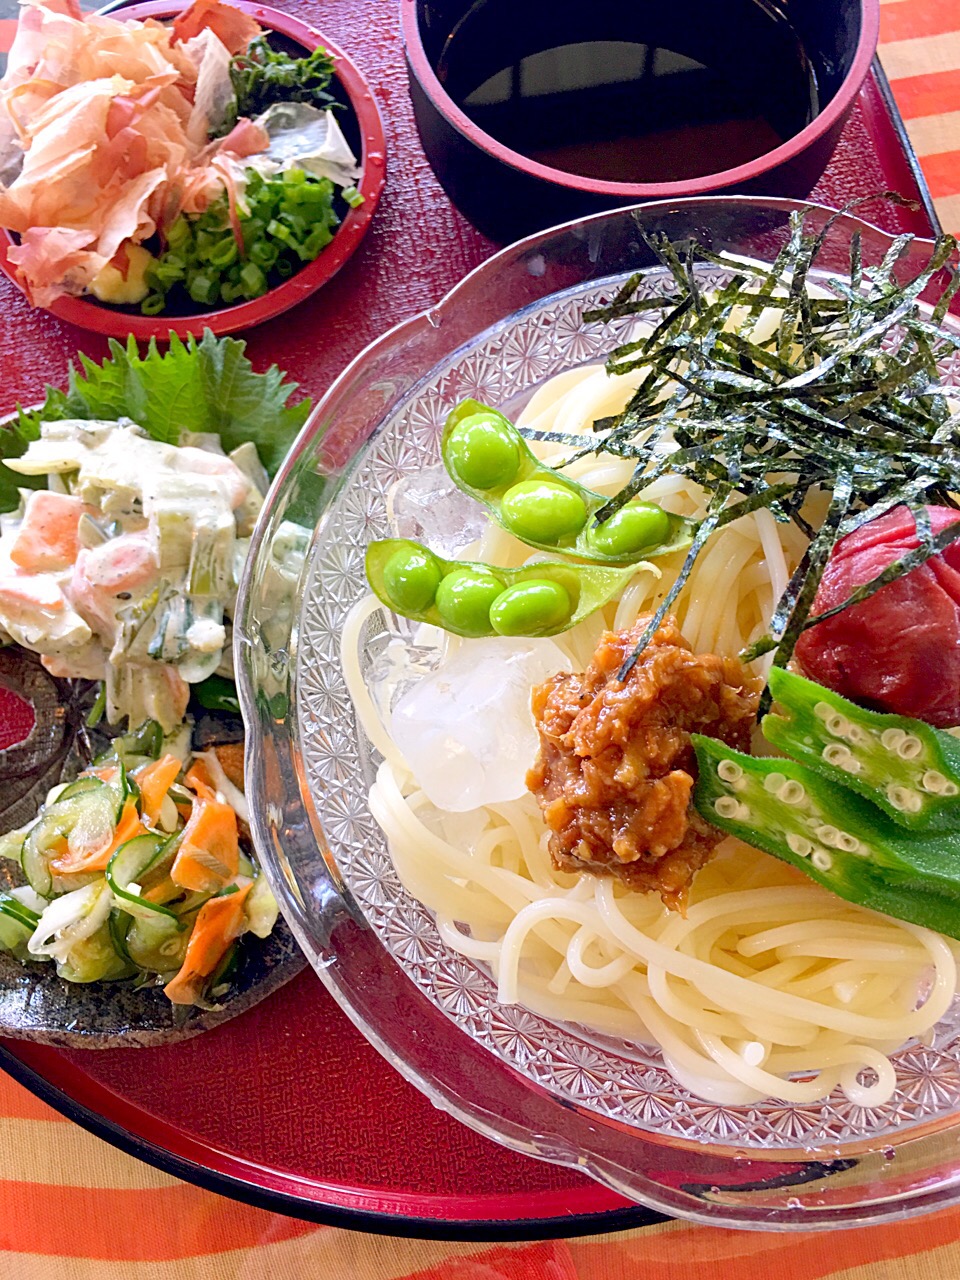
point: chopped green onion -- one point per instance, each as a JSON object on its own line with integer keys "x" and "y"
{"x": 225, "y": 253}
{"x": 204, "y": 287}
{"x": 264, "y": 254}
{"x": 289, "y": 220}
{"x": 253, "y": 280}
{"x": 95, "y": 714}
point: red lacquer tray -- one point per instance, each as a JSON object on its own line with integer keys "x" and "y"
{"x": 288, "y": 1107}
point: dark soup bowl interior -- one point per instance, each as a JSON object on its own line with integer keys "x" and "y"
{"x": 532, "y": 112}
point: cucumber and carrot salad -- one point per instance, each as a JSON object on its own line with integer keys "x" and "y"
{"x": 136, "y": 871}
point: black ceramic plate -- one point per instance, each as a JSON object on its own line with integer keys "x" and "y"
{"x": 35, "y": 1004}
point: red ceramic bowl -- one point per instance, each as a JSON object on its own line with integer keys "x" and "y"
{"x": 507, "y": 195}
{"x": 118, "y": 323}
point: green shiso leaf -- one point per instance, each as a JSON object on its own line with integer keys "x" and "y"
{"x": 217, "y": 693}
{"x": 262, "y": 76}
{"x": 205, "y": 386}
{"x": 843, "y": 399}
{"x": 15, "y": 435}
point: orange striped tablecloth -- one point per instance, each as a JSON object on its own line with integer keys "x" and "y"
{"x": 73, "y": 1208}
{"x": 920, "y": 51}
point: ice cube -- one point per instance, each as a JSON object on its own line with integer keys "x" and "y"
{"x": 428, "y": 507}
{"x": 467, "y": 730}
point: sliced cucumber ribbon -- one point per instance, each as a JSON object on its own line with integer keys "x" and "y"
{"x": 127, "y": 867}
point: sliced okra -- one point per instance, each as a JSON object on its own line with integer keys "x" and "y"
{"x": 907, "y": 768}
{"x": 486, "y": 456}
{"x": 472, "y": 599}
{"x": 832, "y": 834}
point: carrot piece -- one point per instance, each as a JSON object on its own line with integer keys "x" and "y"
{"x": 162, "y": 892}
{"x": 209, "y": 852}
{"x": 155, "y": 780}
{"x": 198, "y": 779}
{"x": 47, "y": 538}
{"x": 218, "y": 923}
{"x": 128, "y": 826}
{"x": 105, "y": 772}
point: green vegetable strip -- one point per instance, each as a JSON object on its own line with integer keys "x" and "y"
{"x": 907, "y": 768}
{"x": 831, "y": 834}
{"x": 18, "y": 911}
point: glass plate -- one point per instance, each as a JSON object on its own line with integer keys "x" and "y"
{"x": 547, "y": 1088}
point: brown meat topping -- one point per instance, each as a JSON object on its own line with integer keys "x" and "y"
{"x": 616, "y": 767}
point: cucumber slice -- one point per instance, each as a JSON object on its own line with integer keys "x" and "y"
{"x": 119, "y": 923}
{"x": 130, "y": 749}
{"x": 36, "y": 868}
{"x": 11, "y": 845}
{"x": 219, "y": 982}
{"x": 145, "y": 741}
{"x": 95, "y": 959}
{"x": 14, "y": 909}
{"x": 124, "y": 788}
{"x": 131, "y": 862}
{"x": 17, "y": 923}
{"x": 78, "y": 788}
{"x": 158, "y": 944}
{"x": 85, "y": 819}
{"x": 261, "y": 908}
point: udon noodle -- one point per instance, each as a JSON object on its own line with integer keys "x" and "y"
{"x": 768, "y": 985}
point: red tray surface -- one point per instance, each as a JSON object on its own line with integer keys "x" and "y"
{"x": 289, "y": 1098}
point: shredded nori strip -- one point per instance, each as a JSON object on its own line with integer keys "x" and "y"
{"x": 843, "y": 398}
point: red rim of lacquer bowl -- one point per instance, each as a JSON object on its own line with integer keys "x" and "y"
{"x": 118, "y": 324}
{"x": 725, "y": 180}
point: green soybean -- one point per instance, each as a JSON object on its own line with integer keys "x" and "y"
{"x": 476, "y": 600}
{"x": 464, "y": 598}
{"x": 488, "y": 458}
{"x": 412, "y": 576}
{"x": 542, "y": 511}
{"x": 636, "y": 526}
{"x": 531, "y": 608}
{"x": 483, "y": 452}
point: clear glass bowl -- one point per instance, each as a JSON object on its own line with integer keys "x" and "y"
{"x": 544, "y": 1088}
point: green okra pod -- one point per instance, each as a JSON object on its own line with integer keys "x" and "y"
{"x": 907, "y": 768}
{"x": 472, "y": 599}
{"x": 487, "y": 457}
{"x": 832, "y": 834}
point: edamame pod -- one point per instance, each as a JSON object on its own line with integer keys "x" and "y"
{"x": 486, "y": 456}
{"x": 907, "y": 768}
{"x": 477, "y": 600}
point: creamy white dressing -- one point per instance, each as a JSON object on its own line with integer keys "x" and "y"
{"x": 129, "y": 575}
